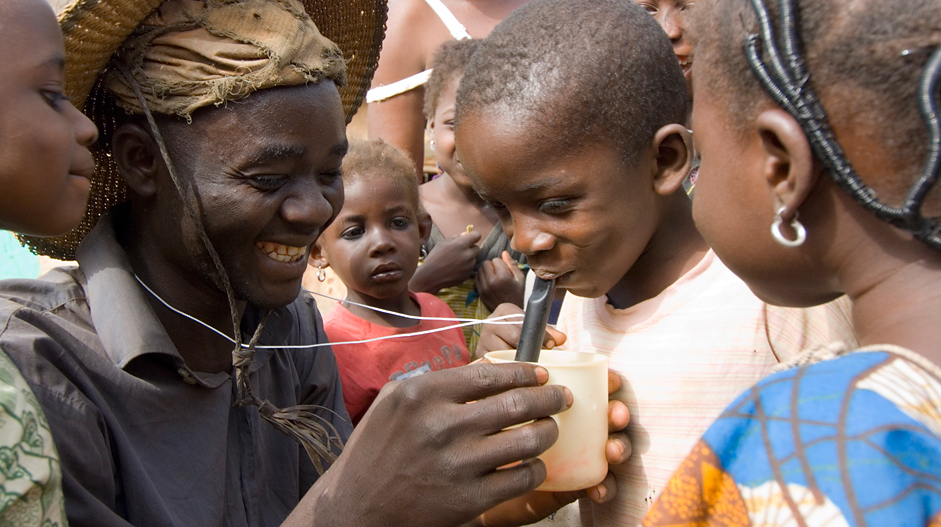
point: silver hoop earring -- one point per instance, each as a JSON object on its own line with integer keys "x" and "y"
{"x": 422, "y": 254}
{"x": 432, "y": 145}
{"x": 321, "y": 274}
{"x": 796, "y": 225}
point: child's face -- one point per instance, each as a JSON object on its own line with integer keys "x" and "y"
{"x": 45, "y": 165}
{"x": 582, "y": 217}
{"x": 671, "y": 15}
{"x": 442, "y": 132}
{"x": 373, "y": 245}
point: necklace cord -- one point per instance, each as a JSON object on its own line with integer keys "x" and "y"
{"x": 316, "y": 434}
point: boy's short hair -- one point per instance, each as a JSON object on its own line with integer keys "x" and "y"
{"x": 855, "y": 54}
{"x": 450, "y": 60}
{"x": 375, "y": 157}
{"x": 584, "y": 71}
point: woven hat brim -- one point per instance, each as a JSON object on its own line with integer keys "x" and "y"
{"x": 94, "y": 29}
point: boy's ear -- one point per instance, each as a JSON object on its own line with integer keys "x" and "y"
{"x": 138, "y": 158}
{"x": 424, "y": 226}
{"x": 789, "y": 161}
{"x": 673, "y": 150}
{"x": 318, "y": 257}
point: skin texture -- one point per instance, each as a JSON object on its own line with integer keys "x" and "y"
{"x": 45, "y": 165}
{"x": 373, "y": 246}
{"x": 414, "y": 33}
{"x": 265, "y": 175}
{"x": 454, "y": 204}
{"x": 585, "y": 218}
{"x": 671, "y": 15}
{"x": 892, "y": 279}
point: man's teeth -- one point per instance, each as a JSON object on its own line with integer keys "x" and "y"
{"x": 282, "y": 253}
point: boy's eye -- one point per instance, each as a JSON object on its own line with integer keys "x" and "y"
{"x": 55, "y": 98}
{"x": 400, "y": 223}
{"x": 555, "y": 206}
{"x": 352, "y": 233}
{"x": 499, "y": 208}
{"x": 649, "y": 7}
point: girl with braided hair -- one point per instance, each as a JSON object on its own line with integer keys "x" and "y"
{"x": 828, "y": 109}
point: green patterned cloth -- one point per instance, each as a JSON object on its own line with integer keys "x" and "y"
{"x": 30, "y": 477}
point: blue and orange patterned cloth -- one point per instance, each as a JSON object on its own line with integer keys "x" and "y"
{"x": 853, "y": 441}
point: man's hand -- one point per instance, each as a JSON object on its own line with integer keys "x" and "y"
{"x": 450, "y": 263}
{"x": 422, "y": 456}
{"x": 500, "y": 281}
{"x": 495, "y": 337}
{"x": 536, "y": 505}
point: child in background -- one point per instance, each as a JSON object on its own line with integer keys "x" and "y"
{"x": 45, "y": 171}
{"x": 571, "y": 121}
{"x": 373, "y": 246}
{"x": 472, "y": 280}
{"x": 855, "y": 440}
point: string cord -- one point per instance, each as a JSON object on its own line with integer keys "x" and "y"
{"x": 502, "y": 320}
{"x": 317, "y": 435}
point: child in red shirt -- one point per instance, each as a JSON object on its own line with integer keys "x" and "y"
{"x": 373, "y": 245}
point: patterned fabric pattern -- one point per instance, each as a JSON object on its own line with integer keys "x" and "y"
{"x": 854, "y": 441}
{"x": 30, "y": 477}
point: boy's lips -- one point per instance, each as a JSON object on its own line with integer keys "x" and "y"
{"x": 551, "y": 275}
{"x": 282, "y": 253}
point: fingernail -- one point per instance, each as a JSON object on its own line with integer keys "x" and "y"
{"x": 602, "y": 492}
{"x": 569, "y": 398}
{"x": 542, "y": 374}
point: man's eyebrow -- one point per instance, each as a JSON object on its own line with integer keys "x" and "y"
{"x": 340, "y": 149}
{"x": 271, "y": 153}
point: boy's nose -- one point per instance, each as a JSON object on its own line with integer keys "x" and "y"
{"x": 527, "y": 238}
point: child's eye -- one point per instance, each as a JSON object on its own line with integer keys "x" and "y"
{"x": 498, "y": 207}
{"x": 650, "y": 8}
{"x": 555, "y": 206}
{"x": 55, "y": 98}
{"x": 352, "y": 233}
{"x": 400, "y": 223}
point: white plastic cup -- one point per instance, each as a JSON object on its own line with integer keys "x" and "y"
{"x": 577, "y": 460}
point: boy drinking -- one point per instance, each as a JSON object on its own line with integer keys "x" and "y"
{"x": 570, "y": 121}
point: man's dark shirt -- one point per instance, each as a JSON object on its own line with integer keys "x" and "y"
{"x": 144, "y": 440}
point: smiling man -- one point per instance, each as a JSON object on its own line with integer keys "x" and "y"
{"x": 222, "y": 135}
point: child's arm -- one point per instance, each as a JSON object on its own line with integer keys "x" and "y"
{"x": 500, "y": 281}
{"x": 448, "y": 264}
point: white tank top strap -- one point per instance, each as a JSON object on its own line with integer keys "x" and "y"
{"x": 458, "y": 31}
{"x": 381, "y": 93}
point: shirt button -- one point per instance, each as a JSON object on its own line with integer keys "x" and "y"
{"x": 187, "y": 378}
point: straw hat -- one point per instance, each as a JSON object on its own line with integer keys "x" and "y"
{"x": 93, "y": 31}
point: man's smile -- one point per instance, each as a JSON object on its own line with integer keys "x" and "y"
{"x": 282, "y": 253}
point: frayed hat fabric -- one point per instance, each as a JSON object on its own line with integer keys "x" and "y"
{"x": 94, "y": 30}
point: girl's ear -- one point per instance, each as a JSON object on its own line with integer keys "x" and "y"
{"x": 318, "y": 257}
{"x": 788, "y": 165}
{"x": 424, "y": 226}
{"x": 672, "y": 147}
{"x": 137, "y": 157}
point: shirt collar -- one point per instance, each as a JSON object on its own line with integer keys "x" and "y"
{"x": 124, "y": 319}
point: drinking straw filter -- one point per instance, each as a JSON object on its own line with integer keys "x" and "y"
{"x": 534, "y": 323}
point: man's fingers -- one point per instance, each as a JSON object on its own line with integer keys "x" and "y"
{"x": 552, "y": 338}
{"x": 510, "y": 408}
{"x": 520, "y": 442}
